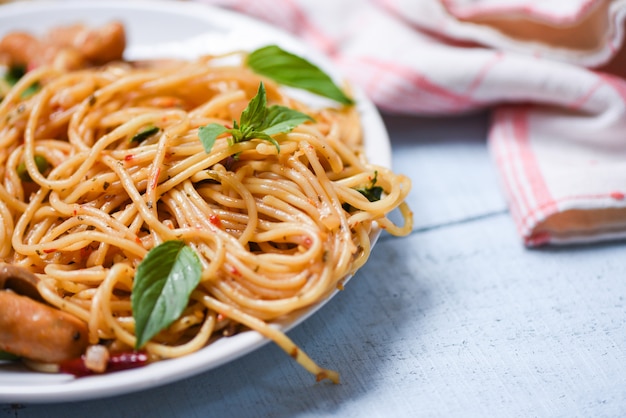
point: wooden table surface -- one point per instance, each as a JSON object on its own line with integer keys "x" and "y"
{"x": 458, "y": 319}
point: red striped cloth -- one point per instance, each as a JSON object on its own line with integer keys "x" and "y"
{"x": 551, "y": 70}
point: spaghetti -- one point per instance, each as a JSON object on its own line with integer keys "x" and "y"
{"x": 276, "y": 230}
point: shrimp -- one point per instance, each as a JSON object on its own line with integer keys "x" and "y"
{"x": 65, "y": 48}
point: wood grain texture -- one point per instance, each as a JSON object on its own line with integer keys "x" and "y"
{"x": 458, "y": 319}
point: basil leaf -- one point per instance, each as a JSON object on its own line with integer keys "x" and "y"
{"x": 209, "y": 133}
{"x": 30, "y": 90}
{"x": 163, "y": 282}
{"x": 145, "y": 133}
{"x": 253, "y": 116}
{"x": 13, "y": 75}
{"x": 291, "y": 70}
{"x": 373, "y": 194}
{"x": 256, "y": 121}
{"x": 281, "y": 119}
{"x": 266, "y": 137}
{"x": 41, "y": 163}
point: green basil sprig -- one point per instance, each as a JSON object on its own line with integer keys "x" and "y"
{"x": 41, "y": 163}
{"x": 145, "y": 133}
{"x": 291, "y": 70}
{"x": 163, "y": 283}
{"x": 372, "y": 192}
{"x": 256, "y": 121}
{"x": 13, "y": 75}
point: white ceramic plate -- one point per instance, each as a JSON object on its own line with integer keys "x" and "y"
{"x": 160, "y": 29}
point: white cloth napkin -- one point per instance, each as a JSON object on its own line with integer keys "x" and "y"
{"x": 551, "y": 70}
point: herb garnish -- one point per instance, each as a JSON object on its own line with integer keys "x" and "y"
{"x": 163, "y": 283}
{"x": 13, "y": 75}
{"x": 145, "y": 133}
{"x": 372, "y": 192}
{"x": 41, "y": 163}
{"x": 291, "y": 70}
{"x": 256, "y": 121}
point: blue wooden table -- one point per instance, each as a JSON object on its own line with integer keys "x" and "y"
{"x": 458, "y": 319}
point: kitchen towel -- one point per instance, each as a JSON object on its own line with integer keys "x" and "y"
{"x": 550, "y": 72}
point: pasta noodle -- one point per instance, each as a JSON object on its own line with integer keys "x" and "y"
{"x": 275, "y": 231}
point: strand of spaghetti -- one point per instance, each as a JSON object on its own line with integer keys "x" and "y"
{"x": 89, "y": 276}
{"x": 405, "y": 229}
{"x": 6, "y": 230}
{"x": 159, "y": 229}
{"x": 100, "y": 303}
{"x": 271, "y": 333}
{"x": 363, "y": 237}
{"x": 171, "y": 131}
{"x": 92, "y": 216}
{"x": 311, "y": 248}
{"x": 286, "y": 208}
{"x": 331, "y": 198}
{"x": 317, "y": 286}
{"x": 215, "y": 105}
{"x": 274, "y": 283}
{"x": 15, "y": 94}
{"x": 48, "y": 290}
{"x": 250, "y": 205}
{"x": 9, "y": 133}
{"x": 199, "y": 340}
{"x": 11, "y": 202}
{"x": 91, "y": 157}
{"x": 103, "y": 94}
{"x": 321, "y": 149}
{"x": 198, "y": 162}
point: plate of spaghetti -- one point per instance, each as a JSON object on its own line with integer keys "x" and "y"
{"x": 172, "y": 199}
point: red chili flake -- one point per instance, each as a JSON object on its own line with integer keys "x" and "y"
{"x": 220, "y": 317}
{"x": 75, "y": 366}
{"x": 124, "y": 361}
{"x": 308, "y": 241}
{"x": 117, "y": 362}
{"x": 129, "y": 157}
{"x": 52, "y": 250}
{"x": 155, "y": 182}
{"x": 215, "y": 220}
{"x": 617, "y": 195}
